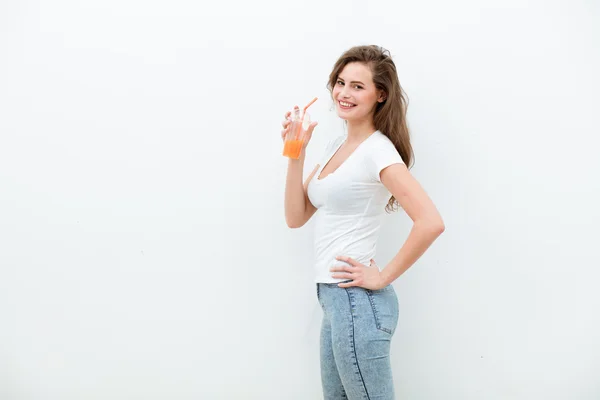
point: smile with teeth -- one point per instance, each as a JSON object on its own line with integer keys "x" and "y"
{"x": 346, "y": 105}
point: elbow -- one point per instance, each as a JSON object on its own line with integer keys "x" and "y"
{"x": 433, "y": 227}
{"x": 293, "y": 224}
{"x": 438, "y": 227}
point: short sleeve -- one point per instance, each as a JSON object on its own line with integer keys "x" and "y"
{"x": 383, "y": 155}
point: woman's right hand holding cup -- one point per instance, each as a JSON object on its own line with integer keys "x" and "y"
{"x": 287, "y": 123}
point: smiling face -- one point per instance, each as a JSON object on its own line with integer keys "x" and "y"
{"x": 355, "y": 93}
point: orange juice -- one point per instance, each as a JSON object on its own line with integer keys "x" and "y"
{"x": 293, "y": 148}
{"x": 294, "y": 139}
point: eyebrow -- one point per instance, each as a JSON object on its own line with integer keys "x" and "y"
{"x": 353, "y": 81}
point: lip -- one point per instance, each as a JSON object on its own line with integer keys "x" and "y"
{"x": 343, "y": 107}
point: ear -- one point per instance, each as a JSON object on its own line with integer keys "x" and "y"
{"x": 382, "y": 97}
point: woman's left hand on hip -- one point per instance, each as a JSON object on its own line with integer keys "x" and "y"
{"x": 364, "y": 276}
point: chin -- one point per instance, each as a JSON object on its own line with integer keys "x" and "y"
{"x": 342, "y": 116}
{"x": 346, "y": 117}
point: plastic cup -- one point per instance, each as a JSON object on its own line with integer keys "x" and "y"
{"x": 294, "y": 139}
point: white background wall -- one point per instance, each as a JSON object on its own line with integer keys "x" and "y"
{"x": 143, "y": 248}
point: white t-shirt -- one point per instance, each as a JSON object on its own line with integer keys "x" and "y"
{"x": 351, "y": 202}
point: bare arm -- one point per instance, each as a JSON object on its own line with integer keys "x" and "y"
{"x": 298, "y": 208}
{"x": 427, "y": 222}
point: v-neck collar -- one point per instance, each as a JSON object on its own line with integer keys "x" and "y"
{"x": 321, "y": 179}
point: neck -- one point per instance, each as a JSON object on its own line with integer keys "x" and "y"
{"x": 360, "y": 130}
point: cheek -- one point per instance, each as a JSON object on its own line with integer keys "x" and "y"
{"x": 368, "y": 98}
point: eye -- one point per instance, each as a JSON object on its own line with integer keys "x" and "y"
{"x": 340, "y": 82}
{"x": 358, "y": 86}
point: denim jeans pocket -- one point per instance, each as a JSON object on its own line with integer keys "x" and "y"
{"x": 384, "y": 303}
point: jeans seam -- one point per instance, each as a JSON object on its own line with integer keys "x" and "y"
{"x": 354, "y": 345}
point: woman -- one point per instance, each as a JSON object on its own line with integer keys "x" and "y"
{"x": 361, "y": 174}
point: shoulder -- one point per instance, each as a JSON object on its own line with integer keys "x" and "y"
{"x": 382, "y": 154}
{"x": 381, "y": 140}
{"x": 380, "y": 143}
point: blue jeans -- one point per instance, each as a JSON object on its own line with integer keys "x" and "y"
{"x": 356, "y": 332}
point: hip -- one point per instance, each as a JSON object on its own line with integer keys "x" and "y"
{"x": 360, "y": 305}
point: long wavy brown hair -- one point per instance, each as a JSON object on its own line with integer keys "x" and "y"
{"x": 390, "y": 115}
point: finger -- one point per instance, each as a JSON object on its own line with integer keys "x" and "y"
{"x": 342, "y": 268}
{"x": 343, "y": 276}
{"x": 286, "y": 123}
{"x": 349, "y": 260}
{"x": 308, "y": 133}
{"x": 310, "y": 129}
{"x": 347, "y": 284}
